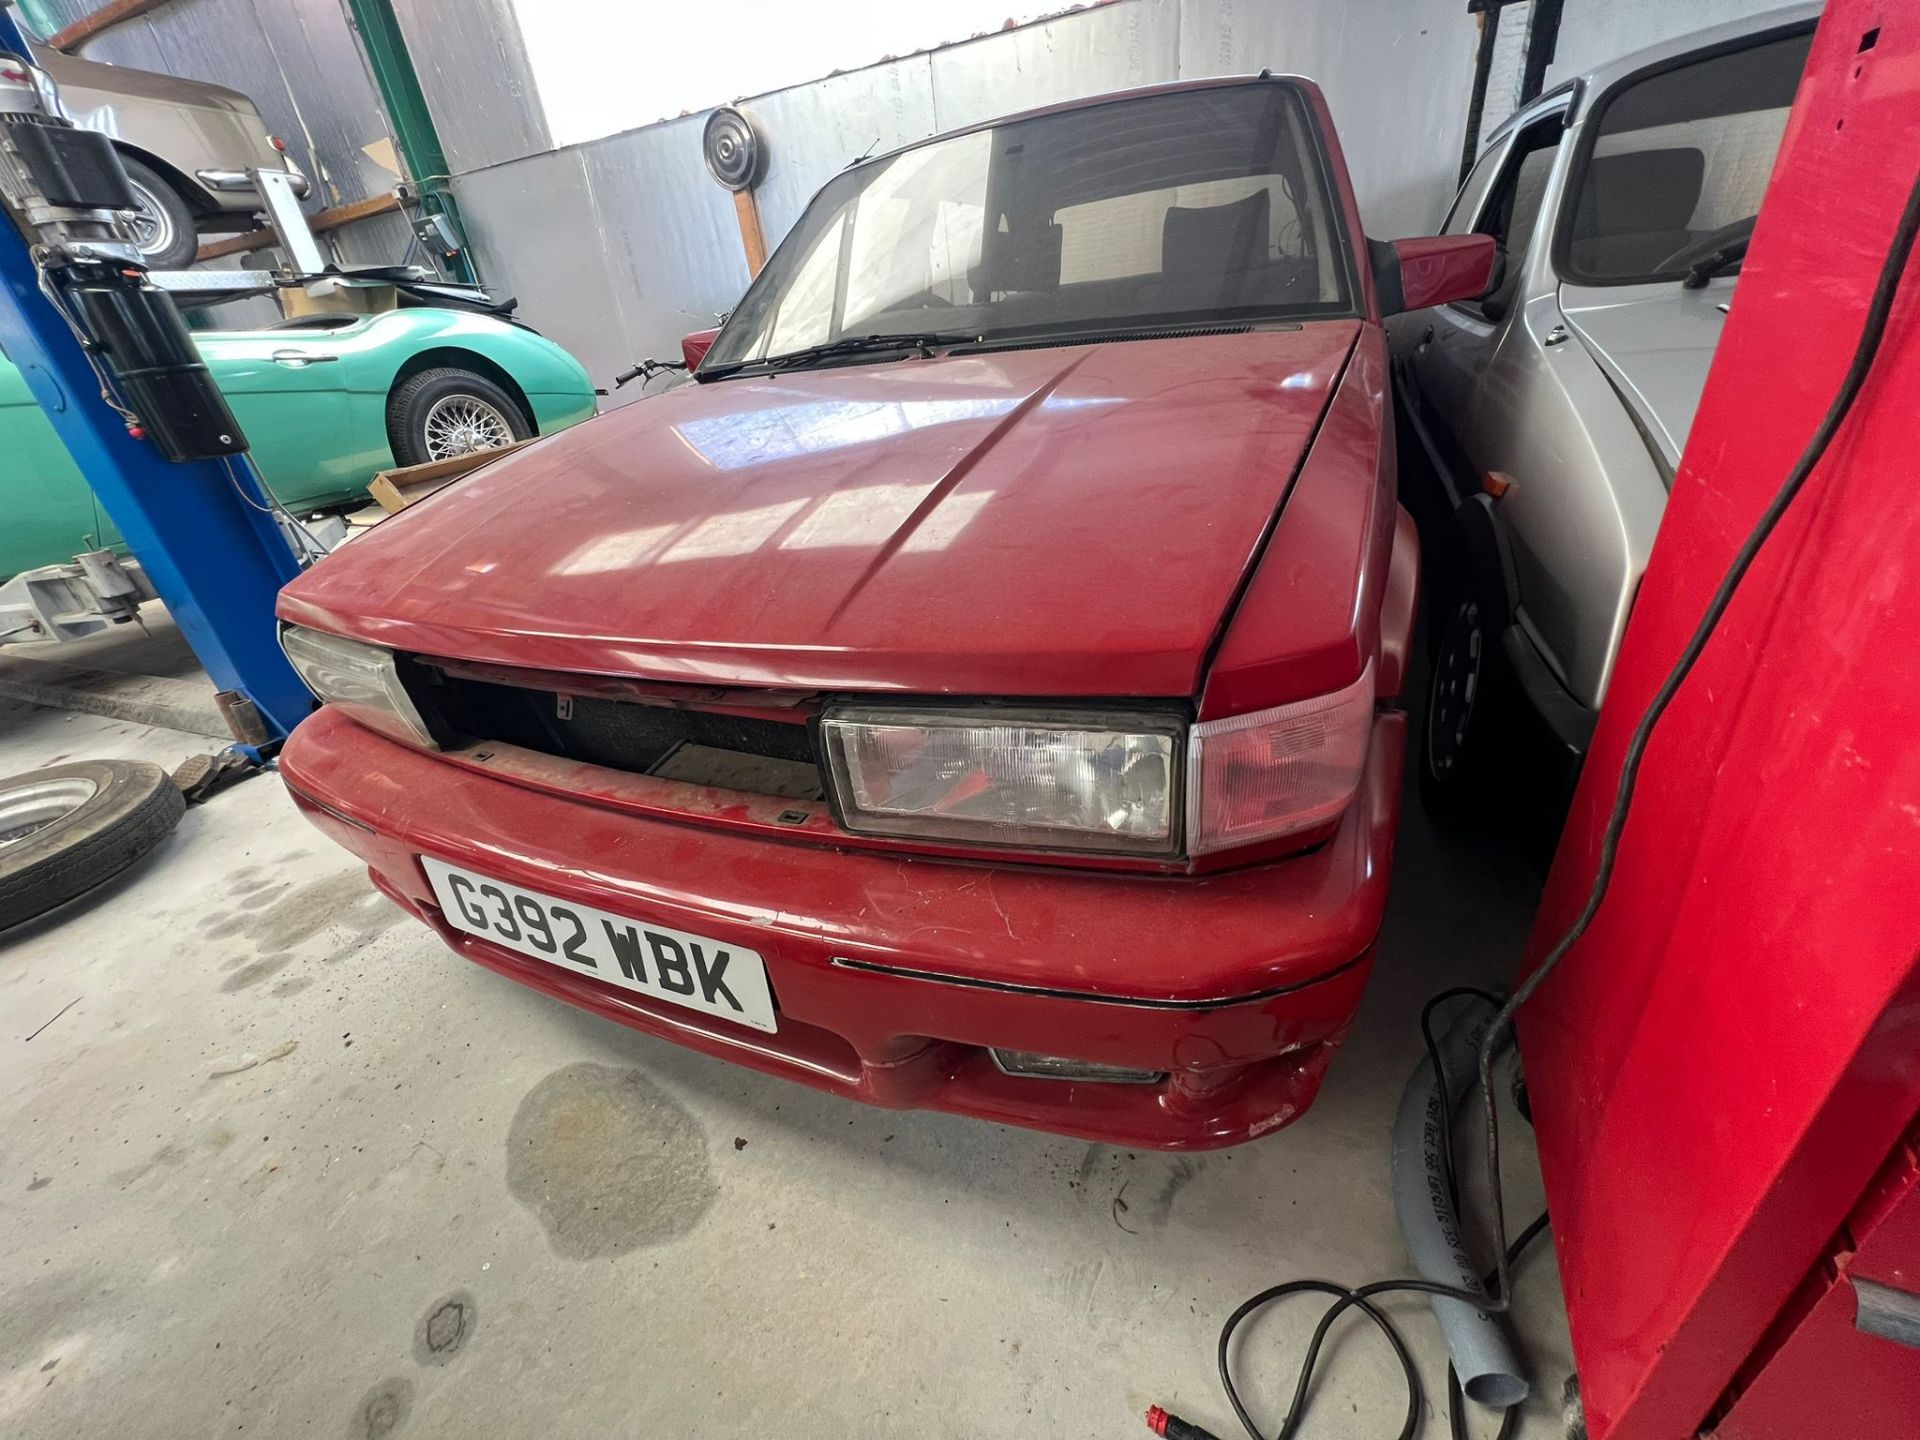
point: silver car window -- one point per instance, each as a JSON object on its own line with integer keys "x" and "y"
{"x": 1511, "y": 211}
{"x": 1466, "y": 205}
{"x": 1678, "y": 163}
{"x": 1529, "y": 186}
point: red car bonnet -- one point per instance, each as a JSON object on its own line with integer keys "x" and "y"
{"x": 1061, "y": 520}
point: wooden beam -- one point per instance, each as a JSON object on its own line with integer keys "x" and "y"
{"x": 320, "y": 221}
{"x": 106, "y": 17}
{"x": 747, "y": 211}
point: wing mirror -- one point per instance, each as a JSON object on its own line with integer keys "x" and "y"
{"x": 694, "y": 347}
{"x": 1431, "y": 270}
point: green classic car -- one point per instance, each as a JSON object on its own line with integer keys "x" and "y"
{"x": 326, "y": 402}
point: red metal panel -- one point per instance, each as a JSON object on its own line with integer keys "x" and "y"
{"x": 1730, "y": 1055}
{"x": 1830, "y": 1382}
{"x": 1831, "y": 1377}
{"x": 1889, "y": 1224}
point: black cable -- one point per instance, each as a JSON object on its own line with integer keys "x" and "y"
{"x": 1346, "y": 1299}
{"x": 1873, "y": 331}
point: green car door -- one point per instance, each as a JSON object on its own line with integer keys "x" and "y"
{"x": 286, "y": 391}
{"x": 289, "y": 395}
{"x": 46, "y": 510}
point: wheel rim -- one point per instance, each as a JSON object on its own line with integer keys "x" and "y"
{"x": 1456, "y": 684}
{"x": 26, "y": 809}
{"x": 462, "y": 424}
{"x": 152, "y": 226}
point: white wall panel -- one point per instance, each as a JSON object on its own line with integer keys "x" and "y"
{"x": 1107, "y": 47}
{"x": 1507, "y": 69}
{"x": 1396, "y": 74}
{"x": 534, "y": 230}
{"x": 650, "y": 60}
{"x": 1593, "y": 32}
{"x": 672, "y": 249}
{"x": 673, "y": 262}
{"x": 817, "y": 129}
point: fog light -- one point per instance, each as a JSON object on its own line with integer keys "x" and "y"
{"x": 1057, "y": 1067}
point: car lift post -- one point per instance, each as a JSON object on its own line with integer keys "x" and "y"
{"x": 203, "y": 530}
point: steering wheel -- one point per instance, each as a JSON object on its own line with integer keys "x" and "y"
{"x": 1699, "y": 249}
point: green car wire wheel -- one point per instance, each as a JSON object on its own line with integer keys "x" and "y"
{"x": 445, "y": 412}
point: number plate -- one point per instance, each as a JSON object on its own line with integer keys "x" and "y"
{"x": 671, "y": 965}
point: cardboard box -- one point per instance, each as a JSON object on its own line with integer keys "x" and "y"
{"x": 398, "y": 488}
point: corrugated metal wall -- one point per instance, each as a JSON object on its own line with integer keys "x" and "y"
{"x": 474, "y": 69}
{"x": 618, "y": 246}
{"x": 299, "y": 61}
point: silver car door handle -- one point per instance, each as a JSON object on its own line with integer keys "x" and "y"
{"x": 296, "y": 358}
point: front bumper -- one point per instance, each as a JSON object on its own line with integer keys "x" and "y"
{"x": 893, "y": 974}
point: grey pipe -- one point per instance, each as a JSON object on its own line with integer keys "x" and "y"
{"x": 1488, "y": 1369}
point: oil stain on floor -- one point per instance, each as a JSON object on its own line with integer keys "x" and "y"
{"x": 382, "y": 1410}
{"x": 608, "y": 1162}
{"x": 443, "y": 1331}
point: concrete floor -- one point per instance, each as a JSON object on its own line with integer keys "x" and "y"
{"x": 282, "y": 1165}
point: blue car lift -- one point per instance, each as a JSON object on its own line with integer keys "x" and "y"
{"x": 203, "y": 530}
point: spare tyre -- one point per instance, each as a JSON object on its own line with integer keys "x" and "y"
{"x": 68, "y": 828}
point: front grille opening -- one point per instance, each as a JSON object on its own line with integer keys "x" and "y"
{"x": 738, "y": 770}
{"x": 695, "y": 747}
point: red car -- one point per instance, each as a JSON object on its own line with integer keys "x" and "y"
{"x": 980, "y": 690}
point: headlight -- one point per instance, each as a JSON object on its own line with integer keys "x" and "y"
{"x": 1044, "y": 780}
{"x": 358, "y": 678}
{"x": 1276, "y": 772}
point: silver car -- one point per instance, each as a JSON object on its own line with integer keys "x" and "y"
{"x": 1554, "y": 410}
{"x": 187, "y": 146}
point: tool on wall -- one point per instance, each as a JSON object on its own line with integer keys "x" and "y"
{"x": 736, "y": 156}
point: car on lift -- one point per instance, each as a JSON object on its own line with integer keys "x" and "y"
{"x": 979, "y": 689}
{"x": 1554, "y": 409}
{"x": 326, "y": 402}
{"x": 187, "y": 146}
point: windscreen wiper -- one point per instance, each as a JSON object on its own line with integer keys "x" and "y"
{"x": 921, "y": 340}
{"x": 1716, "y": 262}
